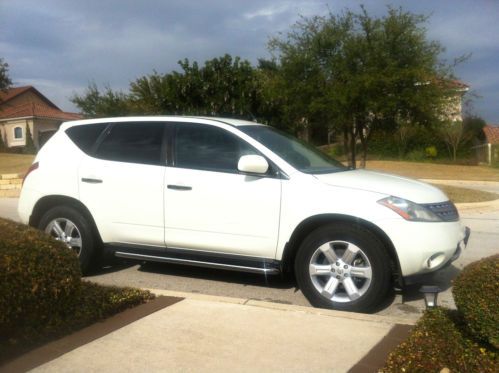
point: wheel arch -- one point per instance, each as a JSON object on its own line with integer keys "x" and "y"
{"x": 47, "y": 202}
{"x": 310, "y": 224}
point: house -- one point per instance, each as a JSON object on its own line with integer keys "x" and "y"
{"x": 21, "y": 107}
{"x": 453, "y": 111}
{"x": 490, "y": 149}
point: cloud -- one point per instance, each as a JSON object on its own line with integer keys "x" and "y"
{"x": 63, "y": 45}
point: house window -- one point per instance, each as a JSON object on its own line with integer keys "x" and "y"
{"x": 18, "y": 133}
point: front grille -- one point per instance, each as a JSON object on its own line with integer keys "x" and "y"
{"x": 444, "y": 210}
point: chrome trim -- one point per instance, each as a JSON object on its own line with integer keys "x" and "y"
{"x": 230, "y": 267}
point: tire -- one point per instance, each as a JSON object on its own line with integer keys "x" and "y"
{"x": 343, "y": 267}
{"x": 69, "y": 225}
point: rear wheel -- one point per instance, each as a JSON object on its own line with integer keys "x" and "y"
{"x": 68, "y": 225}
{"x": 343, "y": 267}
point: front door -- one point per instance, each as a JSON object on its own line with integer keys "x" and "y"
{"x": 209, "y": 205}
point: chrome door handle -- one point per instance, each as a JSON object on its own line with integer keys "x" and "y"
{"x": 91, "y": 181}
{"x": 178, "y": 187}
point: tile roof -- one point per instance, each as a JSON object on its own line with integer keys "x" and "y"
{"x": 13, "y": 92}
{"x": 31, "y": 109}
{"x": 491, "y": 134}
{"x": 9, "y": 94}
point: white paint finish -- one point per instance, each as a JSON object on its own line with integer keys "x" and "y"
{"x": 128, "y": 205}
{"x": 229, "y": 213}
{"x": 412, "y": 190}
{"x": 222, "y": 212}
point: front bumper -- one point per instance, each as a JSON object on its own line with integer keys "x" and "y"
{"x": 424, "y": 247}
{"x": 426, "y": 277}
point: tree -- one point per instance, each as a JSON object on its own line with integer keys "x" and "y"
{"x": 94, "y": 104}
{"x": 29, "y": 147}
{"x": 222, "y": 86}
{"x": 454, "y": 134}
{"x": 5, "y": 81}
{"x": 359, "y": 73}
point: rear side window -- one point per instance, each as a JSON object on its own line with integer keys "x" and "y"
{"x": 137, "y": 142}
{"x": 85, "y": 136}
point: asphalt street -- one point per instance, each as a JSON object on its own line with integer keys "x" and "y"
{"x": 407, "y": 303}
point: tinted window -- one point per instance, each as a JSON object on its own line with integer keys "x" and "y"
{"x": 133, "y": 142}
{"x": 208, "y": 148}
{"x": 85, "y": 136}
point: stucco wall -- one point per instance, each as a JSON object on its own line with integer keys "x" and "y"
{"x": 8, "y": 129}
{"x": 35, "y": 126}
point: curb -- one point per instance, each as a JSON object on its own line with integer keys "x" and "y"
{"x": 463, "y": 182}
{"x": 285, "y": 307}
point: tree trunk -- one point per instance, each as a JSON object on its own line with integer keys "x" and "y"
{"x": 346, "y": 146}
{"x": 353, "y": 138}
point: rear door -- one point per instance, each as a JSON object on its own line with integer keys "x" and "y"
{"x": 122, "y": 183}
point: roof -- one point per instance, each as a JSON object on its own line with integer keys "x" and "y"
{"x": 31, "y": 109}
{"x": 165, "y": 118}
{"x": 9, "y": 94}
{"x": 491, "y": 134}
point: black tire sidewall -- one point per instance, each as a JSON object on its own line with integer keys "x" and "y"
{"x": 372, "y": 248}
{"x": 88, "y": 243}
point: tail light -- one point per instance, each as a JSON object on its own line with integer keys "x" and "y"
{"x": 31, "y": 168}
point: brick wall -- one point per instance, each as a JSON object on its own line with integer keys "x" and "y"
{"x": 10, "y": 185}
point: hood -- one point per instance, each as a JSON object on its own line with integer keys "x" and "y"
{"x": 412, "y": 190}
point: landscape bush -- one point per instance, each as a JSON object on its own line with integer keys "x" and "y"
{"x": 39, "y": 277}
{"x": 476, "y": 294}
{"x": 42, "y": 294}
{"x": 439, "y": 341}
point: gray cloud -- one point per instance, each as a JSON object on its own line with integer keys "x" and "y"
{"x": 61, "y": 45}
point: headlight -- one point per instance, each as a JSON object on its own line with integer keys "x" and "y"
{"x": 409, "y": 210}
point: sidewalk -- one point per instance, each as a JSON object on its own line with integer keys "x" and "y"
{"x": 205, "y": 333}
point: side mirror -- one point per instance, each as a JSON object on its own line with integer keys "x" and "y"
{"x": 253, "y": 164}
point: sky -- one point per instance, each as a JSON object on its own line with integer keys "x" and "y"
{"x": 60, "y": 46}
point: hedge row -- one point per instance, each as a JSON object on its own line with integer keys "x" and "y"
{"x": 463, "y": 340}
{"x": 438, "y": 341}
{"x": 42, "y": 295}
{"x": 476, "y": 293}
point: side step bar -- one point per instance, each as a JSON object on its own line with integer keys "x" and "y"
{"x": 270, "y": 268}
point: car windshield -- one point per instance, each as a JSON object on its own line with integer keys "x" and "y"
{"x": 299, "y": 154}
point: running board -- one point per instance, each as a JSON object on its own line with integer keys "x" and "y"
{"x": 272, "y": 269}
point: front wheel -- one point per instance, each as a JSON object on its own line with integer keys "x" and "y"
{"x": 343, "y": 267}
{"x": 68, "y": 225}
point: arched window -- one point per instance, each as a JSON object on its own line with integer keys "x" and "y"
{"x": 18, "y": 133}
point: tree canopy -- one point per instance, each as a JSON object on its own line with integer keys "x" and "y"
{"x": 5, "y": 81}
{"x": 354, "y": 73}
{"x": 347, "y": 74}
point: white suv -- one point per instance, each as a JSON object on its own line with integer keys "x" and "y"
{"x": 237, "y": 195}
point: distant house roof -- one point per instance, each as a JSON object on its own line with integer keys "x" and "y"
{"x": 13, "y": 92}
{"x": 491, "y": 134}
{"x": 44, "y": 108}
{"x": 31, "y": 109}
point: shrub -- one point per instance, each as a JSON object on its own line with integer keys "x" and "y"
{"x": 43, "y": 296}
{"x": 438, "y": 341}
{"x": 39, "y": 277}
{"x": 416, "y": 155}
{"x": 477, "y": 297}
{"x": 431, "y": 152}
